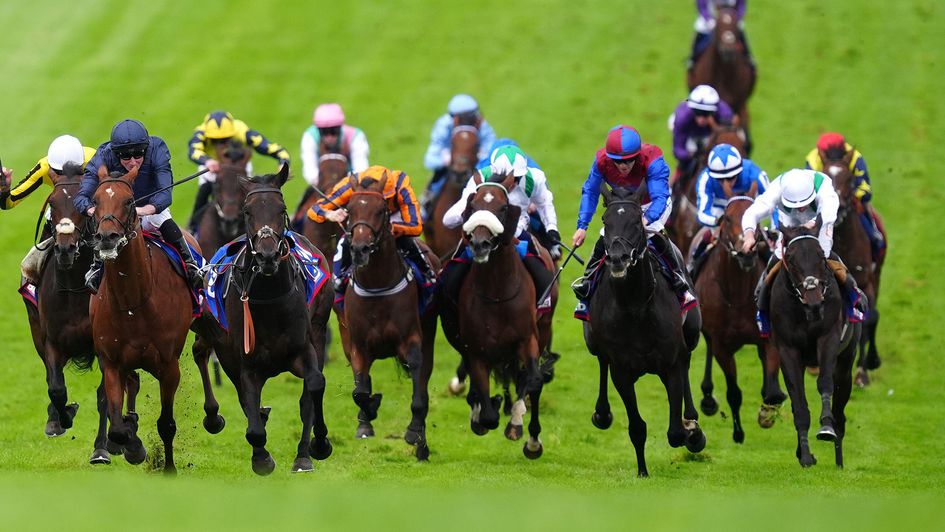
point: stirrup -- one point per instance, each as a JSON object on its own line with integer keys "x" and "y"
{"x": 581, "y": 287}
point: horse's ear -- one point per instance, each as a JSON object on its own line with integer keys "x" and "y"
{"x": 282, "y": 176}
{"x": 509, "y": 182}
{"x": 353, "y": 180}
{"x": 467, "y": 212}
{"x": 510, "y": 223}
{"x": 102, "y": 172}
{"x": 736, "y": 120}
{"x": 130, "y": 176}
{"x": 477, "y": 178}
{"x": 607, "y": 193}
{"x": 753, "y": 190}
{"x": 383, "y": 182}
{"x": 847, "y": 158}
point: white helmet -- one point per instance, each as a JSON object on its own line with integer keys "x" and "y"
{"x": 508, "y": 160}
{"x": 703, "y": 98}
{"x": 65, "y": 149}
{"x": 797, "y": 188}
{"x": 724, "y": 161}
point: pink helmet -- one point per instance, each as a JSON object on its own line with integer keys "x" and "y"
{"x": 329, "y": 115}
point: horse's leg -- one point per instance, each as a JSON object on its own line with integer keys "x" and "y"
{"x": 772, "y": 396}
{"x": 624, "y": 382}
{"x": 132, "y": 387}
{"x": 368, "y": 402}
{"x": 457, "y": 384}
{"x": 303, "y": 463}
{"x": 213, "y": 422}
{"x": 134, "y": 452}
{"x": 60, "y": 417}
{"x": 167, "y": 427}
{"x": 420, "y": 369}
{"x": 672, "y": 381}
{"x": 533, "y": 385}
{"x": 689, "y": 406}
{"x": 793, "y": 372}
{"x": 100, "y": 454}
{"x": 708, "y": 404}
{"x": 872, "y": 356}
{"x": 843, "y": 382}
{"x": 483, "y": 416}
{"x": 733, "y": 393}
{"x": 115, "y": 394}
{"x": 602, "y": 417}
{"x": 320, "y": 446}
{"x": 827, "y": 351}
{"x": 250, "y": 396}
{"x": 515, "y": 428}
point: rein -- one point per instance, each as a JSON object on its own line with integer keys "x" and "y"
{"x": 127, "y": 226}
{"x": 376, "y": 234}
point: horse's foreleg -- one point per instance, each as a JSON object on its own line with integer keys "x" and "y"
{"x": 673, "y": 382}
{"x": 60, "y": 416}
{"x": 533, "y": 386}
{"x": 733, "y": 393}
{"x": 303, "y": 463}
{"x": 320, "y": 446}
{"x": 368, "y": 402}
{"x": 708, "y": 404}
{"x": 132, "y": 386}
{"x": 623, "y": 382}
{"x": 213, "y": 422}
{"x": 793, "y": 372}
{"x": 483, "y": 416}
{"x": 100, "y": 454}
{"x": 166, "y": 425}
{"x": 250, "y": 392}
{"x": 420, "y": 369}
{"x": 602, "y": 417}
{"x": 771, "y": 391}
{"x": 114, "y": 391}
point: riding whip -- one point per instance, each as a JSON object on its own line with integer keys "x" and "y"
{"x": 560, "y": 269}
{"x": 172, "y": 185}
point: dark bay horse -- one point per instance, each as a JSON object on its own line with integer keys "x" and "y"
{"x": 494, "y": 325}
{"x": 381, "y": 317}
{"x": 222, "y": 221}
{"x": 726, "y": 286}
{"x": 808, "y": 328}
{"x": 332, "y": 168}
{"x": 635, "y": 328}
{"x": 272, "y": 328}
{"x": 725, "y": 65}
{"x": 464, "y": 147}
{"x": 140, "y": 315}
{"x": 852, "y": 243}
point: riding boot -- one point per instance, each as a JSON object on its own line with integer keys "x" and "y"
{"x": 414, "y": 254}
{"x": 173, "y": 236}
{"x": 582, "y": 285}
{"x": 93, "y": 278}
{"x": 203, "y": 197}
{"x": 854, "y": 300}
{"x": 452, "y": 275}
{"x": 678, "y": 280}
{"x": 762, "y": 292}
{"x": 341, "y": 265}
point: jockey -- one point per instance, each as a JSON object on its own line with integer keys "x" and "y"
{"x": 531, "y": 187}
{"x": 220, "y": 127}
{"x": 725, "y": 165}
{"x": 833, "y": 147}
{"x": 625, "y": 162}
{"x": 705, "y": 23}
{"x": 131, "y": 147}
{"x": 63, "y": 149}
{"x": 405, "y": 218}
{"x": 693, "y": 122}
{"x": 463, "y": 110}
{"x": 799, "y": 196}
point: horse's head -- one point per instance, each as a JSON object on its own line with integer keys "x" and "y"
{"x": 68, "y": 222}
{"x": 730, "y": 226}
{"x": 266, "y": 219}
{"x": 490, "y": 219}
{"x": 228, "y": 194}
{"x": 806, "y": 268}
{"x": 838, "y": 168}
{"x": 368, "y": 217}
{"x": 116, "y": 219}
{"x": 464, "y": 148}
{"x": 728, "y": 133}
{"x": 624, "y": 235}
{"x": 726, "y": 32}
{"x": 332, "y": 163}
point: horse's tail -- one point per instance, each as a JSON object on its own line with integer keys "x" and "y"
{"x": 83, "y": 362}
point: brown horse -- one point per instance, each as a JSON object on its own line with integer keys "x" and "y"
{"x": 381, "y": 317}
{"x": 272, "y": 328}
{"x": 464, "y": 147}
{"x": 852, "y": 243}
{"x": 725, "y": 65}
{"x": 332, "y": 168}
{"x": 494, "y": 325}
{"x": 726, "y": 287}
{"x": 140, "y": 315}
{"x": 223, "y": 221}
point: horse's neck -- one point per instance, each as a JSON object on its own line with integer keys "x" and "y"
{"x": 128, "y": 279}
{"x": 495, "y": 278}
{"x": 73, "y": 278}
{"x": 735, "y": 283}
{"x": 850, "y": 236}
{"x": 384, "y": 268}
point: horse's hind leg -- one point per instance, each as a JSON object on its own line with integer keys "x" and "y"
{"x": 872, "y": 355}
{"x": 793, "y": 372}
{"x": 213, "y": 422}
{"x": 623, "y": 382}
{"x": 772, "y": 396}
{"x": 602, "y": 417}
{"x": 708, "y": 404}
{"x": 167, "y": 427}
{"x": 420, "y": 367}
{"x": 533, "y": 385}
{"x": 825, "y": 386}
{"x": 843, "y": 382}
{"x": 732, "y": 393}
{"x": 132, "y": 386}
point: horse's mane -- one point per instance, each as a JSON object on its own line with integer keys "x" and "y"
{"x": 72, "y": 170}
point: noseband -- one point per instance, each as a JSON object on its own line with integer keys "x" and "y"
{"x": 266, "y": 231}
{"x": 494, "y": 240}
{"x": 733, "y": 251}
{"x": 131, "y": 220}
{"x": 809, "y": 282}
{"x": 376, "y": 232}
{"x": 636, "y": 254}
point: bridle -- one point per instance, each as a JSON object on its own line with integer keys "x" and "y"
{"x": 730, "y": 247}
{"x": 130, "y": 222}
{"x": 635, "y": 254}
{"x": 847, "y": 195}
{"x": 494, "y": 240}
{"x": 252, "y": 241}
{"x": 376, "y": 232}
{"x": 809, "y": 282}
{"x": 60, "y": 227}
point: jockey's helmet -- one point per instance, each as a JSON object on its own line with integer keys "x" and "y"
{"x": 129, "y": 132}
{"x": 219, "y": 125}
{"x": 833, "y": 145}
{"x": 462, "y": 104}
{"x": 703, "y": 98}
{"x": 724, "y": 161}
{"x": 797, "y": 188}
{"x": 509, "y": 160}
{"x": 623, "y": 142}
{"x": 65, "y": 149}
{"x": 328, "y": 115}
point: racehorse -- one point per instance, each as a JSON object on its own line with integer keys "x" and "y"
{"x": 332, "y": 168}
{"x": 726, "y": 287}
{"x": 635, "y": 328}
{"x": 725, "y": 65}
{"x": 223, "y": 221}
{"x": 852, "y": 243}
{"x": 808, "y": 328}
{"x": 381, "y": 317}
{"x": 494, "y": 325}
{"x": 464, "y": 147}
{"x": 272, "y": 326}
{"x": 140, "y": 315}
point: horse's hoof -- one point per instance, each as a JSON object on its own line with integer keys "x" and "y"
{"x": 862, "y": 378}
{"x": 807, "y": 461}
{"x": 602, "y": 420}
{"x": 477, "y": 428}
{"x": 456, "y": 386}
{"x": 547, "y": 366}
{"x": 170, "y": 471}
{"x": 119, "y": 438}
{"x": 872, "y": 361}
{"x": 365, "y": 430}
{"x": 54, "y": 428}
{"x": 113, "y": 448}
{"x": 695, "y": 440}
{"x": 423, "y": 452}
{"x": 826, "y": 433}
{"x": 135, "y": 453}
{"x": 412, "y": 437}
{"x": 533, "y": 449}
{"x": 709, "y": 405}
{"x": 303, "y": 464}
{"x": 100, "y": 456}
{"x": 767, "y": 415}
{"x": 214, "y": 426}
{"x": 71, "y": 410}
{"x": 263, "y": 466}
{"x": 320, "y": 449}
{"x": 514, "y": 432}
{"x": 738, "y": 435}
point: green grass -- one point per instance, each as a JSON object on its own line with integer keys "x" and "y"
{"x": 555, "y": 75}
